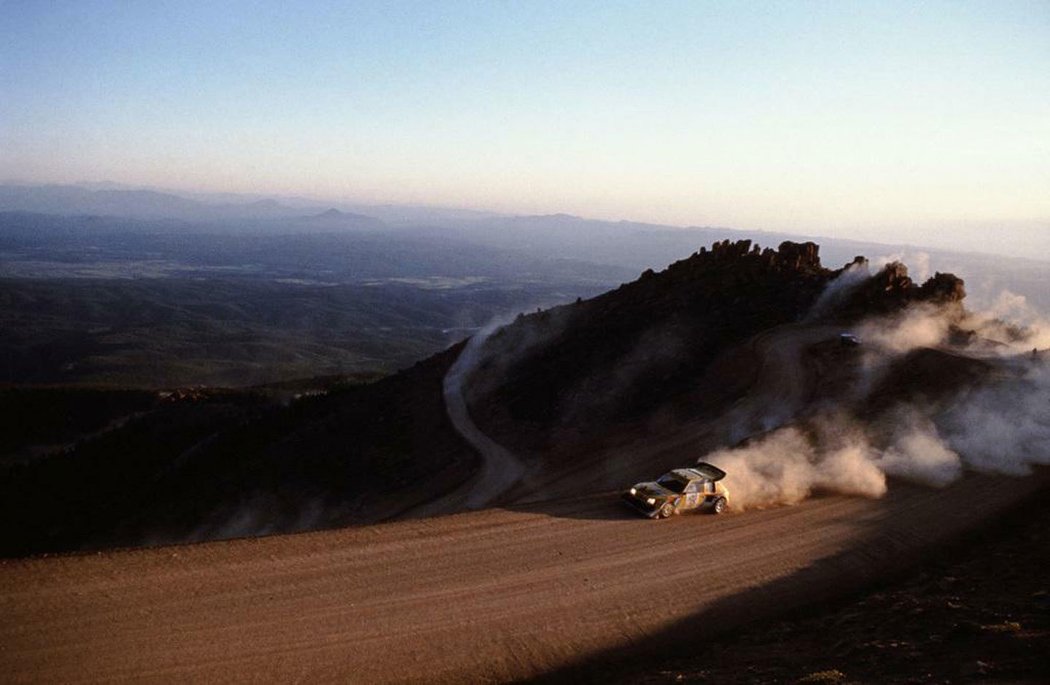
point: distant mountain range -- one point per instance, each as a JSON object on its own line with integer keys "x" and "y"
{"x": 622, "y": 244}
{"x": 154, "y": 205}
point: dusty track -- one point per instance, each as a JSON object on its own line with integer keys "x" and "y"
{"x": 495, "y": 594}
{"x": 500, "y": 468}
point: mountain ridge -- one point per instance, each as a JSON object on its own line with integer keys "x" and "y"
{"x": 247, "y": 463}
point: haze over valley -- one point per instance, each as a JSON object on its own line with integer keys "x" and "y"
{"x": 162, "y": 290}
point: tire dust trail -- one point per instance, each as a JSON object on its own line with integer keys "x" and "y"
{"x": 487, "y": 595}
{"x": 500, "y": 468}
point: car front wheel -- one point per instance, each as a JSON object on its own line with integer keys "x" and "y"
{"x": 719, "y": 506}
{"x": 667, "y": 510}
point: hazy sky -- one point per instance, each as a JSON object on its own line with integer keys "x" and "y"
{"x": 879, "y": 120}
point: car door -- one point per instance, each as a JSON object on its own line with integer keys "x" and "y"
{"x": 693, "y": 496}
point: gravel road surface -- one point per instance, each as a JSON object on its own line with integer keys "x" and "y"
{"x": 488, "y": 595}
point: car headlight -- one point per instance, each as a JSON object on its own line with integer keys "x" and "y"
{"x": 651, "y": 501}
{"x": 634, "y": 491}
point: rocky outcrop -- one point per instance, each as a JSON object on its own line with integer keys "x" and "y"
{"x": 891, "y": 289}
{"x": 789, "y": 256}
{"x": 798, "y": 256}
{"x": 943, "y": 289}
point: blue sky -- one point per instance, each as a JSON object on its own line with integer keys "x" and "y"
{"x": 873, "y": 120}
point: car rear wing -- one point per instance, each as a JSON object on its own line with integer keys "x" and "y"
{"x": 712, "y": 473}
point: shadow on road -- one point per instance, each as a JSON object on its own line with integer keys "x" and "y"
{"x": 887, "y": 548}
{"x": 603, "y": 507}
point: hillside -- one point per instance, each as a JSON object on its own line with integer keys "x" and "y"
{"x": 566, "y": 387}
{"x": 670, "y": 347}
{"x": 204, "y": 464}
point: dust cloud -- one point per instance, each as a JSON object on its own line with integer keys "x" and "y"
{"x": 1001, "y": 426}
{"x": 917, "y": 326}
{"x": 788, "y": 465}
{"x": 500, "y": 468}
{"x": 920, "y": 268}
{"x": 838, "y": 290}
{"x": 1004, "y": 428}
{"x": 1011, "y": 325}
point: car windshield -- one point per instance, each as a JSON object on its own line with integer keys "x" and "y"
{"x": 671, "y": 483}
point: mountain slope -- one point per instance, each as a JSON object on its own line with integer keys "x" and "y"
{"x": 217, "y": 464}
{"x": 710, "y": 339}
{"x": 667, "y": 345}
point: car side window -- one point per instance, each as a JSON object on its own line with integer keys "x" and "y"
{"x": 709, "y": 487}
{"x": 693, "y": 487}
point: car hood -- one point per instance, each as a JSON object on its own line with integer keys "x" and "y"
{"x": 652, "y": 490}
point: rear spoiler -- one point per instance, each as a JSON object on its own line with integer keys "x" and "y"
{"x": 712, "y": 473}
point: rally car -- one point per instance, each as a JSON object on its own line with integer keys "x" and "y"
{"x": 680, "y": 490}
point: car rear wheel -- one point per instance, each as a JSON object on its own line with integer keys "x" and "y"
{"x": 667, "y": 510}
{"x": 719, "y": 506}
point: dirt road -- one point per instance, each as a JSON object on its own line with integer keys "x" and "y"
{"x": 500, "y": 468}
{"x": 488, "y": 595}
